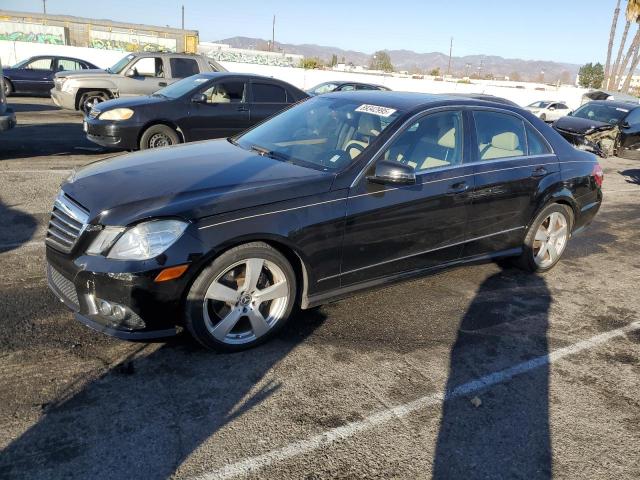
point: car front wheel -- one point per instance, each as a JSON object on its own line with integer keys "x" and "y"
{"x": 158, "y": 136}
{"x": 242, "y": 299}
{"x": 547, "y": 238}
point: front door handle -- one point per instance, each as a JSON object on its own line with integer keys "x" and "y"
{"x": 459, "y": 187}
{"x": 539, "y": 172}
{"x": 162, "y": 84}
{"x": 243, "y": 109}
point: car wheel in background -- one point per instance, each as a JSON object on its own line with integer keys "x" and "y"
{"x": 543, "y": 117}
{"x": 8, "y": 87}
{"x": 546, "y": 238}
{"x": 90, "y": 99}
{"x": 158, "y": 136}
{"x": 242, "y": 298}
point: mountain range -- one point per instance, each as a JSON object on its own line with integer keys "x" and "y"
{"x": 516, "y": 69}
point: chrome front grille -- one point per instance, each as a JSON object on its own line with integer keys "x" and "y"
{"x": 63, "y": 287}
{"x": 68, "y": 221}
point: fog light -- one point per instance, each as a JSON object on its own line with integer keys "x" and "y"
{"x": 105, "y": 308}
{"x": 118, "y": 312}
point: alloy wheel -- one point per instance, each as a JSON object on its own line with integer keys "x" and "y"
{"x": 91, "y": 102}
{"x": 550, "y": 240}
{"x": 246, "y": 301}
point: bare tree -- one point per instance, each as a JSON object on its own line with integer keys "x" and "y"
{"x": 612, "y": 34}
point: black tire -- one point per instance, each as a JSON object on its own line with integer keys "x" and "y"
{"x": 195, "y": 320}
{"x": 543, "y": 117}
{"x": 89, "y": 99}
{"x": 526, "y": 260}
{"x": 8, "y": 87}
{"x": 158, "y": 136}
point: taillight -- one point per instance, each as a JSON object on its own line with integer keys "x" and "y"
{"x": 598, "y": 174}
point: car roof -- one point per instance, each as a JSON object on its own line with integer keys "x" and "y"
{"x": 408, "y": 100}
{"x": 238, "y": 74}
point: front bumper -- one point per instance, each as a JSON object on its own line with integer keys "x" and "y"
{"x": 112, "y": 134}
{"x": 7, "y": 120}
{"x": 63, "y": 99}
{"x": 153, "y": 310}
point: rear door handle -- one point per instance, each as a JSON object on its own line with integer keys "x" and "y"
{"x": 539, "y": 172}
{"x": 459, "y": 187}
{"x": 162, "y": 84}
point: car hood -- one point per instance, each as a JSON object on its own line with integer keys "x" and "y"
{"x": 582, "y": 126}
{"x": 131, "y": 102}
{"x": 191, "y": 181}
{"x": 82, "y": 74}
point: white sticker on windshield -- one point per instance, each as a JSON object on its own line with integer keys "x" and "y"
{"x": 622, "y": 110}
{"x": 376, "y": 110}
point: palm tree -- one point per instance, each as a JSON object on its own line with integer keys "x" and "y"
{"x": 612, "y": 34}
{"x": 633, "y": 15}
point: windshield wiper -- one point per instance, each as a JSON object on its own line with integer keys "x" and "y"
{"x": 269, "y": 153}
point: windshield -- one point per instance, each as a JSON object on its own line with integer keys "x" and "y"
{"x": 120, "y": 64}
{"x": 539, "y": 104}
{"x": 601, "y": 113}
{"x": 323, "y": 132}
{"x": 323, "y": 88}
{"x": 21, "y": 64}
{"x": 182, "y": 87}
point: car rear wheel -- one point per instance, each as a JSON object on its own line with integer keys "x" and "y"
{"x": 91, "y": 99}
{"x": 158, "y": 136}
{"x": 242, "y": 299}
{"x": 547, "y": 238}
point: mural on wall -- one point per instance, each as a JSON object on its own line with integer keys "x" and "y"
{"x": 32, "y": 32}
{"x": 130, "y": 42}
{"x": 228, "y": 55}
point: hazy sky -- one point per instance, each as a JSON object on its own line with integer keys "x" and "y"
{"x": 561, "y": 30}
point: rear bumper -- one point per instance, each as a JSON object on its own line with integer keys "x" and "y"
{"x": 112, "y": 134}
{"x": 7, "y": 120}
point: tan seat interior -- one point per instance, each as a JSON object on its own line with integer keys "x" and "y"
{"x": 502, "y": 145}
{"x": 368, "y": 128}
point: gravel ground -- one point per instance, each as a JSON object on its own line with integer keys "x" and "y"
{"x": 538, "y": 386}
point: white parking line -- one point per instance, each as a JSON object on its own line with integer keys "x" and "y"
{"x": 53, "y": 170}
{"x": 252, "y": 464}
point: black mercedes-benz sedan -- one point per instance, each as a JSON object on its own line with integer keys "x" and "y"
{"x": 341, "y": 193}
{"x": 200, "y": 107}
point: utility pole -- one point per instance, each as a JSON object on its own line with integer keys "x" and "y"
{"x": 273, "y": 34}
{"x": 450, "y": 50}
{"x": 182, "y": 17}
{"x": 44, "y": 6}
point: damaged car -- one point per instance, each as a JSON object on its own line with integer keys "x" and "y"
{"x": 604, "y": 127}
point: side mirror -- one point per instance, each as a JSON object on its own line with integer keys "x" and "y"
{"x": 625, "y": 124}
{"x": 199, "y": 98}
{"x": 130, "y": 73}
{"x": 392, "y": 172}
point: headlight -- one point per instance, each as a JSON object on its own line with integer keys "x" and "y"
{"x": 117, "y": 114}
{"x": 147, "y": 240}
{"x": 104, "y": 240}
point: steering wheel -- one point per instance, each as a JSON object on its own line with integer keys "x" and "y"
{"x": 354, "y": 145}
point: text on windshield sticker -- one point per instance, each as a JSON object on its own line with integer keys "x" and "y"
{"x": 376, "y": 110}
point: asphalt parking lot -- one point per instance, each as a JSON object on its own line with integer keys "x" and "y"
{"x": 478, "y": 372}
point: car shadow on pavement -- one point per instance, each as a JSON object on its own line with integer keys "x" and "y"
{"x": 52, "y": 139}
{"x": 31, "y": 107}
{"x": 16, "y": 227}
{"x": 147, "y": 414}
{"x": 632, "y": 175}
{"x": 501, "y": 431}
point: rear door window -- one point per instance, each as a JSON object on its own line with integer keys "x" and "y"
{"x": 537, "y": 144}
{"x": 183, "y": 67}
{"x": 499, "y": 135}
{"x": 267, "y": 93}
{"x": 68, "y": 64}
